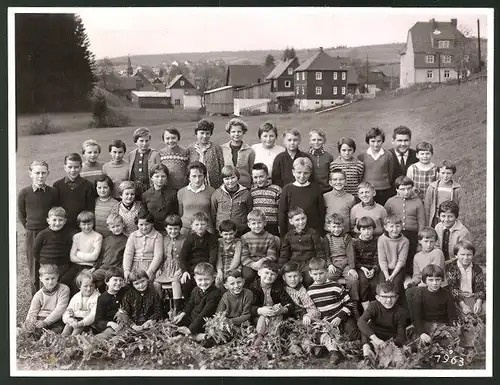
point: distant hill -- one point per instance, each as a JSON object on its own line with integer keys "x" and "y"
{"x": 382, "y": 53}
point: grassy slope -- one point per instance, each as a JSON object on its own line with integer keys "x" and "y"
{"x": 452, "y": 118}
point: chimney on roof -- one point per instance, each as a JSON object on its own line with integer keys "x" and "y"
{"x": 454, "y": 22}
{"x": 433, "y": 24}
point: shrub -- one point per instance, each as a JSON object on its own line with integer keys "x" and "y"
{"x": 43, "y": 126}
{"x": 105, "y": 116}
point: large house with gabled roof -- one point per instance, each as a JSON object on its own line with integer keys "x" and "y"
{"x": 432, "y": 52}
{"x": 281, "y": 77}
{"x": 320, "y": 81}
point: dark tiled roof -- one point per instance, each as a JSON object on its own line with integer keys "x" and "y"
{"x": 422, "y": 33}
{"x": 321, "y": 61}
{"x": 176, "y": 79}
{"x": 279, "y": 69}
{"x": 243, "y": 74}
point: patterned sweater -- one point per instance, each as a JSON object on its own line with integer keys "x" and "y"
{"x": 354, "y": 172}
{"x": 331, "y": 299}
{"x": 176, "y": 160}
{"x": 102, "y": 210}
{"x": 257, "y": 247}
{"x": 142, "y": 306}
{"x": 267, "y": 199}
{"x": 303, "y": 303}
{"x": 91, "y": 171}
{"x": 212, "y": 158}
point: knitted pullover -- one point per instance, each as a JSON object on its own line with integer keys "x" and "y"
{"x": 176, "y": 159}
{"x": 237, "y": 308}
{"x": 112, "y": 250}
{"x": 196, "y": 249}
{"x": 257, "y": 247}
{"x": 191, "y": 203}
{"x": 340, "y": 203}
{"x": 410, "y": 210}
{"x": 85, "y": 248}
{"x": 267, "y": 199}
{"x": 301, "y": 246}
{"x": 283, "y": 166}
{"x": 49, "y": 306}
{"x": 392, "y": 252}
{"x": 376, "y": 212}
{"x": 91, "y": 171}
{"x": 234, "y": 207}
{"x": 437, "y": 306}
{"x": 383, "y": 323}
{"x": 75, "y": 197}
{"x": 354, "y": 172}
{"x": 33, "y": 207}
{"x": 378, "y": 172}
{"x": 53, "y": 246}
{"x": 102, "y": 210}
{"x": 118, "y": 173}
{"x": 201, "y": 305}
{"x": 107, "y": 306}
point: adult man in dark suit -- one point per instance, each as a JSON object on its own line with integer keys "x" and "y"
{"x": 403, "y": 155}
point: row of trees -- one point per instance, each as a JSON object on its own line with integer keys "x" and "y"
{"x": 55, "y": 69}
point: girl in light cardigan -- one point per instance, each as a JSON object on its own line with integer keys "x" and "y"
{"x": 237, "y": 153}
{"x": 144, "y": 248}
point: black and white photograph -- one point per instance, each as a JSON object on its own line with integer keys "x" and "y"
{"x": 251, "y": 191}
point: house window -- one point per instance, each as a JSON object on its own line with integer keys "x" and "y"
{"x": 334, "y": 75}
{"x": 181, "y": 83}
{"x": 275, "y": 84}
{"x": 446, "y": 74}
{"x": 446, "y": 58}
{"x": 303, "y": 76}
{"x": 429, "y": 58}
{"x": 319, "y": 90}
{"x": 297, "y": 90}
{"x": 319, "y": 75}
{"x": 298, "y": 76}
{"x": 303, "y": 91}
{"x": 335, "y": 90}
{"x": 443, "y": 44}
{"x": 344, "y": 75}
{"x": 288, "y": 83}
{"x": 343, "y": 90}
{"x": 290, "y": 71}
{"x": 430, "y": 74}
{"x": 177, "y": 102}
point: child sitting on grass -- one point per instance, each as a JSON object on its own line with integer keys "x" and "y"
{"x": 104, "y": 203}
{"x": 265, "y": 196}
{"x": 117, "y": 169}
{"x": 202, "y": 302}
{"x": 432, "y": 305}
{"x": 141, "y": 305}
{"x": 338, "y": 201}
{"x": 424, "y": 172}
{"x": 236, "y": 302}
{"x": 207, "y": 152}
{"x": 91, "y": 167}
{"x": 170, "y": 271}
{"x": 271, "y": 302}
{"x": 144, "y": 248}
{"x": 231, "y": 200}
{"x": 228, "y": 252}
{"x": 113, "y": 247}
{"x": 106, "y": 323}
{"x": 466, "y": 280}
{"x": 368, "y": 208}
{"x": 382, "y": 320}
{"x": 340, "y": 255}
{"x": 199, "y": 246}
{"x": 450, "y": 230}
{"x": 321, "y": 159}
{"x": 444, "y": 189}
{"x": 48, "y": 303}
{"x": 332, "y": 301}
{"x": 300, "y": 244}
{"x": 304, "y": 194}
{"x": 257, "y": 246}
{"x": 80, "y": 313}
{"x": 353, "y": 168}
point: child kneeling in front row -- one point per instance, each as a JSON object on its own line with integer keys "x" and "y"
{"x": 333, "y": 302}
{"x": 141, "y": 304}
{"x": 48, "y": 303}
{"x": 108, "y": 304}
{"x": 80, "y": 313}
{"x": 382, "y": 320}
{"x": 271, "y": 303}
{"x": 202, "y": 302}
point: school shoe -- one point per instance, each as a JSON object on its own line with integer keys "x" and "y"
{"x": 319, "y": 351}
{"x": 335, "y": 357}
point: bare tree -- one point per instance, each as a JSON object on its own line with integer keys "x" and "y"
{"x": 465, "y": 53}
{"x": 209, "y": 75}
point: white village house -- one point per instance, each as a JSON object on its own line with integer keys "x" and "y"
{"x": 432, "y": 52}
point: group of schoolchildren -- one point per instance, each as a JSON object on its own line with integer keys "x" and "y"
{"x": 261, "y": 233}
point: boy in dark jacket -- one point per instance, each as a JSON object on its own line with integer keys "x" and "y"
{"x": 271, "y": 303}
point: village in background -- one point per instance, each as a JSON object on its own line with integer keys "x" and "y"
{"x": 254, "y": 82}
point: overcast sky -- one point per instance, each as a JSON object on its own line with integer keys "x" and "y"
{"x": 122, "y": 31}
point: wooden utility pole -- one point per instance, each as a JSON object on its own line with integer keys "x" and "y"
{"x": 366, "y": 73}
{"x": 478, "y": 47}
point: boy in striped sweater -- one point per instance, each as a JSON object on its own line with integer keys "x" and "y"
{"x": 332, "y": 301}
{"x": 265, "y": 196}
